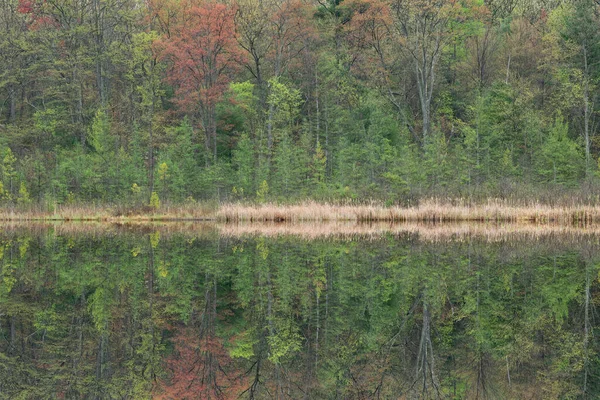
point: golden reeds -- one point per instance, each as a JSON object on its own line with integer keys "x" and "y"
{"x": 429, "y": 211}
{"x": 109, "y": 213}
{"x": 432, "y": 211}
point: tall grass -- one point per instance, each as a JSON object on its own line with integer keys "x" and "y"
{"x": 432, "y": 211}
{"x": 111, "y": 213}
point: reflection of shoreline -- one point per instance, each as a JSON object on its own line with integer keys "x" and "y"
{"x": 311, "y": 230}
{"x": 424, "y": 231}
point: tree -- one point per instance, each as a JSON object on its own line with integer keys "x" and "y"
{"x": 560, "y": 160}
{"x": 253, "y": 24}
{"x": 581, "y": 37}
{"x": 244, "y": 161}
{"x": 318, "y": 166}
{"x": 202, "y": 50}
{"x": 13, "y": 45}
{"x": 9, "y": 173}
{"x": 285, "y": 102}
{"x": 147, "y": 73}
{"x": 423, "y": 28}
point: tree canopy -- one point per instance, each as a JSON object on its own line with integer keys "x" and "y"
{"x": 387, "y": 99}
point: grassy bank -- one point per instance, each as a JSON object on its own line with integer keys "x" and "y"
{"x": 433, "y": 211}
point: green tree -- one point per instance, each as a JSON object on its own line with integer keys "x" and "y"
{"x": 560, "y": 160}
{"x": 580, "y": 48}
{"x": 146, "y": 73}
{"x": 24, "y": 197}
{"x": 9, "y": 172}
{"x": 318, "y": 169}
{"x": 154, "y": 201}
{"x": 244, "y": 163}
{"x": 286, "y": 102}
{"x": 291, "y": 166}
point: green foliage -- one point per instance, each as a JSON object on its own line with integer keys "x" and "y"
{"x": 339, "y": 118}
{"x": 8, "y": 172}
{"x": 560, "y": 159}
{"x": 291, "y": 162}
{"x": 244, "y": 105}
{"x": 244, "y": 163}
{"x": 286, "y": 101}
{"x": 46, "y": 121}
{"x": 154, "y": 201}
{"x": 163, "y": 176}
{"x": 100, "y": 138}
{"x": 24, "y": 197}
{"x": 163, "y": 172}
{"x": 436, "y": 162}
{"x": 262, "y": 192}
{"x": 185, "y": 175}
{"x": 318, "y": 165}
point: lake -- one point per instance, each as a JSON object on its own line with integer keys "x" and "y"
{"x": 333, "y": 311}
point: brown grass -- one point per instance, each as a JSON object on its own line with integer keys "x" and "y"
{"x": 110, "y": 213}
{"x": 432, "y": 211}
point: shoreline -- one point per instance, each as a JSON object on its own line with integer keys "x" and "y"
{"x": 427, "y": 212}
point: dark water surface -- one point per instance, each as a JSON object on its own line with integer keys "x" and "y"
{"x": 162, "y": 313}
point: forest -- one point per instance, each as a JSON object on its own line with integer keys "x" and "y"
{"x": 185, "y": 101}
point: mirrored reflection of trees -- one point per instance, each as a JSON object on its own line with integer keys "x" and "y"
{"x": 173, "y": 316}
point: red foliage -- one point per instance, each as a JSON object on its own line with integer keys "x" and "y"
{"x": 164, "y": 14}
{"x": 42, "y": 21}
{"x": 203, "y": 51}
{"x": 368, "y": 34}
{"x": 25, "y": 6}
{"x": 370, "y": 23}
{"x": 291, "y": 32}
{"x": 201, "y": 369}
{"x": 35, "y": 12}
{"x": 201, "y": 45}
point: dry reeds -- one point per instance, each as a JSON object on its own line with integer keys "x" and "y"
{"x": 110, "y": 213}
{"x": 430, "y": 211}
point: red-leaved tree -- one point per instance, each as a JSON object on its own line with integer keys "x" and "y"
{"x": 203, "y": 52}
{"x": 200, "y": 368}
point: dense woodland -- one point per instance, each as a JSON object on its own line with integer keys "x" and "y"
{"x": 179, "y": 316}
{"x": 135, "y": 101}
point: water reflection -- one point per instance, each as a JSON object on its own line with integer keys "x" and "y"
{"x": 182, "y": 311}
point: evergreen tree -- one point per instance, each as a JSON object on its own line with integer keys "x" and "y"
{"x": 560, "y": 160}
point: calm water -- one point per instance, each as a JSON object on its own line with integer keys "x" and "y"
{"x": 135, "y": 314}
